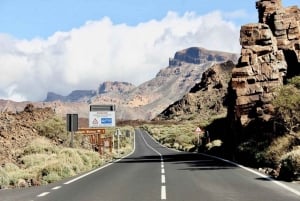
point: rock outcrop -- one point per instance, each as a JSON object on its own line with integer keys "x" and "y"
{"x": 270, "y": 54}
{"x": 207, "y": 98}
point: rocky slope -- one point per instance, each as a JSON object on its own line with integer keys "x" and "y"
{"x": 17, "y": 129}
{"x": 205, "y": 99}
{"x": 144, "y": 101}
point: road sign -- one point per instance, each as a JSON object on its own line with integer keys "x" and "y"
{"x": 102, "y": 116}
{"x": 198, "y": 130}
{"x": 72, "y": 122}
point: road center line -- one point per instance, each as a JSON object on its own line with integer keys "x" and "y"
{"x": 163, "y": 193}
{"x": 43, "y": 194}
{"x": 163, "y": 179}
{"x": 57, "y": 187}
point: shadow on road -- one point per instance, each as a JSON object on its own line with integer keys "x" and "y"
{"x": 189, "y": 161}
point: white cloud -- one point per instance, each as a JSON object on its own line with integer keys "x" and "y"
{"x": 100, "y": 50}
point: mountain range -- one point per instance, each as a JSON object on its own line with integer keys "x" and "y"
{"x": 145, "y": 101}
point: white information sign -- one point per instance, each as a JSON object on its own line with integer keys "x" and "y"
{"x": 102, "y": 119}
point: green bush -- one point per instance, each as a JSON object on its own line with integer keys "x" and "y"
{"x": 288, "y": 107}
{"x": 4, "y": 178}
{"x": 290, "y": 165}
{"x": 53, "y": 128}
{"x": 295, "y": 81}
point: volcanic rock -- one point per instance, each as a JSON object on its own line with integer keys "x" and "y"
{"x": 270, "y": 54}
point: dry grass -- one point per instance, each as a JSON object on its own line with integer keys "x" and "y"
{"x": 42, "y": 162}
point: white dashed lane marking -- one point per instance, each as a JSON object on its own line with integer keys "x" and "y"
{"x": 163, "y": 193}
{"x": 57, "y": 187}
{"x": 43, "y": 194}
{"x": 163, "y": 179}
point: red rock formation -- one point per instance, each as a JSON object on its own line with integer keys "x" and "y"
{"x": 270, "y": 53}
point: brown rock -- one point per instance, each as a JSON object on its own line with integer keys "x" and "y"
{"x": 270, "y": 53}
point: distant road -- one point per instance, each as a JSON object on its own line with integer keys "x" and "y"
{"x": 153, "y": 173}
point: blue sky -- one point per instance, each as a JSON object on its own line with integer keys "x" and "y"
{"x": 42, "y": 18}
{"x": 63, "y": 45}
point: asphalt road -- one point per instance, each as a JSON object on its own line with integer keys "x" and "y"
{"x": 153, "y": 173}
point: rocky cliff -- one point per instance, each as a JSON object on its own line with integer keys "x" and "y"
{"x": 205, "y": 99}
{"x": 270, "y": 54}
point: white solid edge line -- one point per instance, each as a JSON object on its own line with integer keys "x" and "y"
{"x": 243, "y": 167}
{"x": 257, "y": 173}
{"x": 102, "y": 167}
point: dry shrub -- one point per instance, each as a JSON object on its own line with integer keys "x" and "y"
{"x": 40, "y": 145}
{"x": 213, "y": 144}
{"x": 275, "y": 151}
{"x": 45, "y": 162}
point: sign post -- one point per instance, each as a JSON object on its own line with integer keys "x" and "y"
{"x": 102, "y": 116}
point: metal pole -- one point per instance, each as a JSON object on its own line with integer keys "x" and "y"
{"x": 113, "y": 141}
{"x": 72, "y": 139}
{"x": 118, "y": 133}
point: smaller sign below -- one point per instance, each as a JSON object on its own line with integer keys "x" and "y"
{"x": 106, "y": 120}
{"x": 102, "y": 119}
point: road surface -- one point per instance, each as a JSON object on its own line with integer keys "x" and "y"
{"x": 153, "y": 173}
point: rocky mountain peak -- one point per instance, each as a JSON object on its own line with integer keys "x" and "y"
{"x": 197, "y": 55}
{"x": 116, "y": 87}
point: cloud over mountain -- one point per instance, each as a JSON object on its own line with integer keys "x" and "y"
{"x": 99, "y": 51}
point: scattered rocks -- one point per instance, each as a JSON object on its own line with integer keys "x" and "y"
{"x": 17, "y": 129}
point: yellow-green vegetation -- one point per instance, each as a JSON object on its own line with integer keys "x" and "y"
{"x": 41, "y": 162}
{"x": 48, "y": 158}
